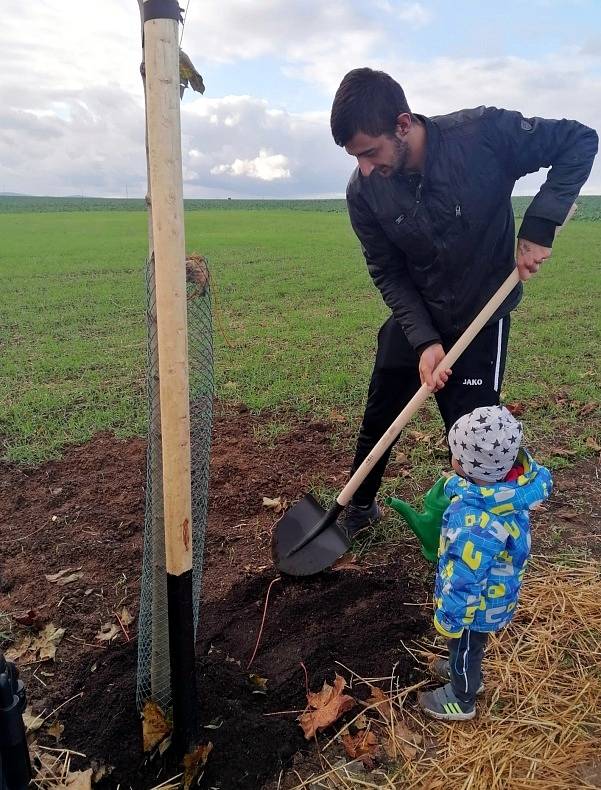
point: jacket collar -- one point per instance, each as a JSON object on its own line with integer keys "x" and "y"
{"x": 432, "y": 144}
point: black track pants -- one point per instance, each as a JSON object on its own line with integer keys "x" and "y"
{"x": 476, "y": 381}
{"x": 465, "y": 663}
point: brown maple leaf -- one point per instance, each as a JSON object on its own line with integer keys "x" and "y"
{"x": 380, "y": 702}
{"x": 327, "y": 705}
{"x": 363, "y": 746}
{"x": 155, "y": 727}
{"x": 194, "y": 763}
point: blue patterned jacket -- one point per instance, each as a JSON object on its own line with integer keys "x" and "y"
{"x": 484, "y": 549}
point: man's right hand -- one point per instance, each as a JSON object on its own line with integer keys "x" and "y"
{"x": 429, "y": 359}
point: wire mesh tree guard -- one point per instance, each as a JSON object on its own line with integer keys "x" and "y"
{"x": 153, "y": 677}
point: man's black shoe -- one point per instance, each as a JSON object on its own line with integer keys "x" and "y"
{"x": 354, "y": 518}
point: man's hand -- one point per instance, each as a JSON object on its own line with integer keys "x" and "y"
{"x": 529, "y": 257}
{"x": 429, "y": 359}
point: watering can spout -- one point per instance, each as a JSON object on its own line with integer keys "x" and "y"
{"x": 425, "y": 525}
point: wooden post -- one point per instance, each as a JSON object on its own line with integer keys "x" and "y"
{"x": 160, "y": 683}
{"x": 164, "y": 149}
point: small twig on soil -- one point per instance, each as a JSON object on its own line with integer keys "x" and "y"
{"x": 166, "y": 784}
{"x": 122, "y": 626}
{"x": 284, "y": 712}
{"x": 87, "y": 644}
{"x": 306, "y": 678}
{"x": 60, "y": 751}
{"x": 273, "y": 581}
{"x": 26, "y": 537}
{"x": 62, "y": 705}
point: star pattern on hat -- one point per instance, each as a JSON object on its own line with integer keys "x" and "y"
{"x": 486, "y": 442}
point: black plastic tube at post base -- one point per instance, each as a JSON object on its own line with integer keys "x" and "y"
{"x": 15, "y": 767}
{"x": 183, "y": 663}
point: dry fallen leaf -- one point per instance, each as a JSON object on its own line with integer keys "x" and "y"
{"x": 336, "y": 416}
{"x": 194, "y": 762}
{"x": 592, "y": 444}
{"x": 107, "y": 632}
{"x": 54, "y": 577}
{"x": 259, "y": 683}
{"x": 31, "y": 619}
{"x": 100, "y": 770}
{"x": 278, "y": 504}
{"x": 405, "y": 742}
{"x": 328, "y": 705}
{"x": 73, "y": 577}
{"x": 31, "y": 721}
{"x": 56, "y": 729}
{"x": 51, "y": 767}
{"x": 380, "y": 702}
{"x": 47, "y": 642}
{"x": 516, "y": 408}
{"x": 155, "y": 726}
{"x": 588, "y": 408}
{"x": 19, "y": 649}
{"x": 363, "y": 746}
{"x": 360, "y": 723}
{"x": 41, "y": 648}
{"x": 125, "y": 617}
{"x": 348, "y": 562}
{"x": 418, "y": 436}
{"x": 79, "y": 780}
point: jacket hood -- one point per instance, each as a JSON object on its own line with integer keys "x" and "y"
{"x": 503, "y": 498}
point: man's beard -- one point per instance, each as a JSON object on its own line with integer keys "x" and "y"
{"x": 400, "y": 157}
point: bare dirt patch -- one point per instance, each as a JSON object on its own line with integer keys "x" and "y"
{"x": 85, "y": 512}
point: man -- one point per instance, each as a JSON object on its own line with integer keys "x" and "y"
{"x": 430, "y": 202}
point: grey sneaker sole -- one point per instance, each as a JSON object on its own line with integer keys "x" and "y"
{"x": 450, "y": 716}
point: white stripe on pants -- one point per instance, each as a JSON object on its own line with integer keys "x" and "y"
{"x": 498, "y": 362}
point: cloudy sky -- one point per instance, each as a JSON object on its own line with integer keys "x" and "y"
{"x": 71, "y": 106}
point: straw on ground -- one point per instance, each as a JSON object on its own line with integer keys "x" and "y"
{"x": 539, "y": 725}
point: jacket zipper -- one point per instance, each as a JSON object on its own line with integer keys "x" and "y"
{"x": 418, "y": 197}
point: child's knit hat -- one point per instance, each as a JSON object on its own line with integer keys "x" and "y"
{"x": 486, "y": 442}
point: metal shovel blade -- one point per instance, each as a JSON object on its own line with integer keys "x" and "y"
{"x": 321, "y": 552}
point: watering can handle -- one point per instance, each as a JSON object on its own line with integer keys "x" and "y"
{"x": 421, "y": 396}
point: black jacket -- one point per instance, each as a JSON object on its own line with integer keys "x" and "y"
{"x": 439, "y": 245}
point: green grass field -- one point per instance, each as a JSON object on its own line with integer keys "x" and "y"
{"x": 295, "y": 315}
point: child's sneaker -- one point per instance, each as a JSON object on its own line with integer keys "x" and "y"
{"x": 440, "y": 669}
{"x": 443, "y": 704}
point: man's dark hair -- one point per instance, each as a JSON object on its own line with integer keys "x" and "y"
{"x": 366, "y": 101}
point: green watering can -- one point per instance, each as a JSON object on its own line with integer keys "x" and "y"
{"x": 425, "y": 525}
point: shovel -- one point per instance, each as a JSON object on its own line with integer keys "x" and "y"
{"x": 307, "y": 539}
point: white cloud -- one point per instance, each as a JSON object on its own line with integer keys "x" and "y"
{"x": 269, "y": 151}
{"x": 71, "y": 117}
{"x": 414, "y": 14}
{"x": 265, "y": 167}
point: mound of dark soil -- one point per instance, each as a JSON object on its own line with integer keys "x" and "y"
{"x": 85, "y": 512}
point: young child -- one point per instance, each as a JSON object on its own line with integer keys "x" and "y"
{"x": 484, "y": 548}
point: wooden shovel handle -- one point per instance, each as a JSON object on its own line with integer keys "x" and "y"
{"x": 421, "y": 396}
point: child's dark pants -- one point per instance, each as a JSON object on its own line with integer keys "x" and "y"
{"x": 465, "y": 662}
